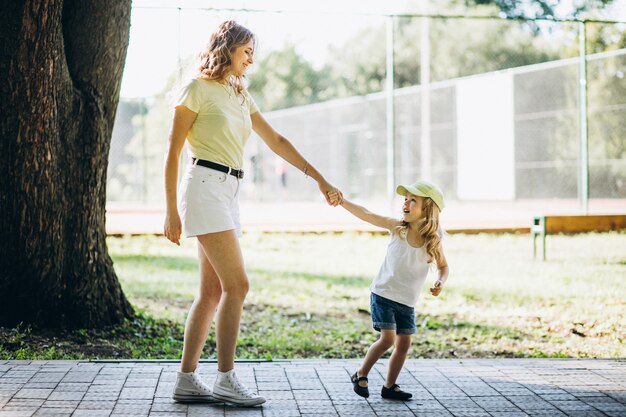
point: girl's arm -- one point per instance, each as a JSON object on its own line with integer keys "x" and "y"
{"x": 443, "y": 270}
{"x": 283, "y": 148}
{"x": 183, "y": 120}
{"x": 372, "y": 218}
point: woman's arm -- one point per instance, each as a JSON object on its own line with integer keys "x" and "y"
{"x": 283, "y": 148}
{"x": 183, "y": 120}
{"x": 372, "y": 218}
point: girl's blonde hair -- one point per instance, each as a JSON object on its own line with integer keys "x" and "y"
{"x": 428, "y": 229}
{"x": 216, "y": 58}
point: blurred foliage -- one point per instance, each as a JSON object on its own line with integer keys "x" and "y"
{"x": 533, "y": 9}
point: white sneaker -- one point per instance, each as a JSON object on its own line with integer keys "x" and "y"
{"x": 189, "y": 387}
{"x": 228, "y": 388}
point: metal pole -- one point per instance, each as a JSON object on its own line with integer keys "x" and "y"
{"x": 425, "y": 140}
{"x": 583, "y": 183}
{"x": 390, "y": 112}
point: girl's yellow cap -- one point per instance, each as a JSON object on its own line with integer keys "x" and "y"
{"x": 423, "y": 189}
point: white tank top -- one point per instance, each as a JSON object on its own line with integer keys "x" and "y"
{"x": 402, "y": 273}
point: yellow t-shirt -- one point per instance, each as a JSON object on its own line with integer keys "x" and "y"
{"x": 223, "y": 124}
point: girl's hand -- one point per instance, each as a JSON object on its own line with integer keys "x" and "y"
{"x": 172, "y": 227}
{"x": 336, "y": 198}
{"x": 437, "y": 288}
{"x": 333, "y": 196}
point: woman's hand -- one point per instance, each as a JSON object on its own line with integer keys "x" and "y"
{"x": 333, "y": 196}
{"x": 172, "y": 227}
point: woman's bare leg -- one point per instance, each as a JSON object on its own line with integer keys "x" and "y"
{"x": 200, "y": 314}
{"x": 224, "y": 254}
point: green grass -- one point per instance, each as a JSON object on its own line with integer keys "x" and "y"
{"x": 309, "y": 298}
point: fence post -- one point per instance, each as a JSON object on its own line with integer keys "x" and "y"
{"x": 390, "y": 111}
{"x": 583, "y": 182}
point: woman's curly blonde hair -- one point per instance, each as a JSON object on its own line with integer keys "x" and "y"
{"x": 428, "y": 229}
{"x": 216, "y": 57}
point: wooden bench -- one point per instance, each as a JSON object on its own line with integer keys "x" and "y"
{"x": 545, "y": 225}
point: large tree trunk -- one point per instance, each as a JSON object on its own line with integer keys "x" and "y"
{"x": 61, "y": 66}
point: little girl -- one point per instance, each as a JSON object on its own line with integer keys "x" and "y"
{"x": 415, "y": 245}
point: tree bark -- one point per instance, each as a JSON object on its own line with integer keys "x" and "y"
{"x": 61, "y": 66}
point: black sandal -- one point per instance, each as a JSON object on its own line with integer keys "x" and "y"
{"x": 362, "y": 391}
{"x": 392, "y": 394}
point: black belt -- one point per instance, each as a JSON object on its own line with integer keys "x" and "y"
{"x": 218, "y": 167}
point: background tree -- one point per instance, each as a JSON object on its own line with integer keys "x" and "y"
{"x": 533, "y": 9}
{"x": 61, "y": 62}
{"x": 283, "y": 78}
{"x": 459, "y": 47}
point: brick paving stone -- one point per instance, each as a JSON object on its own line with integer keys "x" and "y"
{"x": 79, "y": 377}
{"x": 18, "y": 413}
{"x": 24, "y": 402}
{"x": 468, "y": 412}
{"x": 54, "y": 412}
{"x": 100, "y": 396}
{"x": 48, "y": 377}
{"x": 60, "y": 404}
{"x": 407, "y": 413}
{"x": 567, "y": 406}
{"x": 140, "y": 382}
{"x": 425, "y": 405}
{"x": 434, "y": 414}
{"x": 237, "y": 412}
{"x": 495, "y": 404}
{"x": 508, "y": 414}
{"x": 173, "y": 407}
{"x": 72, "y": 387}
{"x": 96, "y": 405}
{"x": 558, "y": 397}
{"x": 132, "y": 409}
{"x": 310, "y": 394}
{"x": 66, "y": 395}
{"x": 137, "y": 393}
{"x": 546, "y": 413}
{"x": 42, "y": 385}
{"x": 33, "y": 393}
{"x": 277, "y": 395}
{"x": 112, "y": 387}
{"x": 91, "y": 413}
{"x": 273, "y": 386}
{"x": 585, "y": 413}
{"x": 530, "y": 402}
{"x": 279, "y": 413}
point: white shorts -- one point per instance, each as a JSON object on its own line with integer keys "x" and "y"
{"x": 208, "y": 202}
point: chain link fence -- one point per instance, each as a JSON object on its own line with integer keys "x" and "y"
{"x": 489, "y": 109}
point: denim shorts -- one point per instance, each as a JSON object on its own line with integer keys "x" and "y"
{"x": 390, "y": 315}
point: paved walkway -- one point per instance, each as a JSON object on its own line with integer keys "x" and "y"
{"x": 467, "y": 388}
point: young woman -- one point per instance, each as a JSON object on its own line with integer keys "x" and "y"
{"x": 215, "y": 114}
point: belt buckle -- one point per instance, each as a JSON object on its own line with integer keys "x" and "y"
{"x": 240, "y": 174}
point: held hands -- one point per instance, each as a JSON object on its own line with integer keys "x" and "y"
{"x": 437, "y": 288}
{"x": 172, "y": 227}
{"x": 333, "y": 196}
